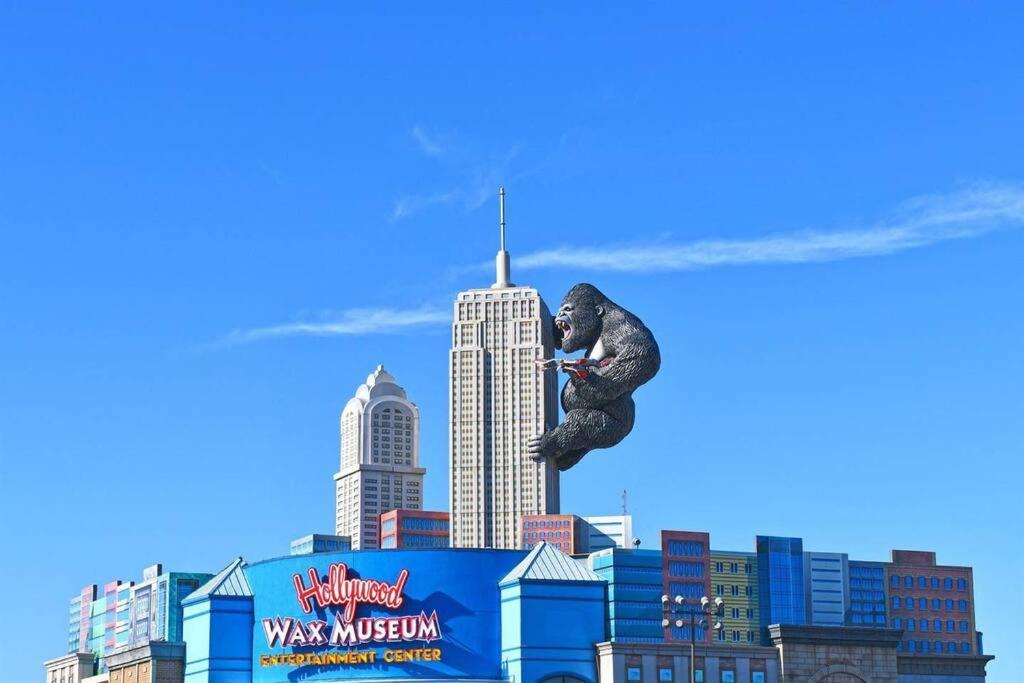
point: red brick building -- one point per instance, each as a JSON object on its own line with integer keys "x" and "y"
{"x": 932, "y": 603}
{"x": 414, "y": 529}
{"x": 565, "y": 532}
{"x": 686, "y": 571}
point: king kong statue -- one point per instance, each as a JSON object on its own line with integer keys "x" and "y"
{"x": 621, "y": 354}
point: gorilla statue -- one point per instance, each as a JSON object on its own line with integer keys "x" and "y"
{"x": 621, "y": 354}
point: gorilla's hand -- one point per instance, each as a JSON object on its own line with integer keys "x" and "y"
{"x": 541, "y": 447}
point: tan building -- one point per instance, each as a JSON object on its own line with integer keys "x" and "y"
{"x": 498, "y": 400}
{"x": 155, "y": 662}
{"x": 380, "y": 457}
{"x": 734, "y": 579}
{"x": 70, "y": 668}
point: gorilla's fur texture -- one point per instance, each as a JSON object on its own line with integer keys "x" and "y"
{"x": 599, "y": 408}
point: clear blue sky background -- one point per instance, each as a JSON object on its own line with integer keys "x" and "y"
{"x": 838, "y": 364}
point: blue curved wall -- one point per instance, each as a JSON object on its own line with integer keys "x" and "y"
{"x": 461, "y": 585}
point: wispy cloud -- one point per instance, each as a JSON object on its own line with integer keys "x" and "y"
{"x": 350, "y": 322}
{"x": 480, "y": 184}
{"x": 428, "y": 144}
{"x": 970, "y": 212}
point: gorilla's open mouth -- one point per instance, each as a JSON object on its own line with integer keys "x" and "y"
{"x": 564, "y": 328}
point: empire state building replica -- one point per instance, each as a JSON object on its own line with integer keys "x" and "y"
{"x": 497, "y": 400}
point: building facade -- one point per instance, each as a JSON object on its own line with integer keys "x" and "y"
{"x": 634, "y": 579}
{"x": 156, "y": 604}
{"x": 611, "y": 531}
{"x": 414, "y": 529}
{"x": 100, "y": 620}
{"x": 780, "y": 576}
{"x": 568, "y": 533}
{"x": 126, "y": 614}
{"x": 933, "y": 604}
{"x": 868, "y": 598}
{"x": 498, "y": 401}
{"x": 686, "y": 572}
{"x": 319, "y": 543}
{"x": 70, "y": 668}
{"x": 380, "y": 437}
{"x": 734, "y": 579}
{"x": 826, "y": 580}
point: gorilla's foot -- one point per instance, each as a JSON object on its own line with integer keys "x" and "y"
{"x": 570, "y": 458}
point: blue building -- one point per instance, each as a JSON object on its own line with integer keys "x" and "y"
{"x": 319, "y": 543}
{"x": 457, "y": 614}
{"x": 634, "y": 580}
{"x": 867, "y": 594}
{"x": 780, "y": 575}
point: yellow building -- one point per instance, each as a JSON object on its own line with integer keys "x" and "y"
{"x": 734, "y": 579}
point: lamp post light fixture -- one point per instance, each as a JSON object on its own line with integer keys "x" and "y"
{"x": 675, "y": 612}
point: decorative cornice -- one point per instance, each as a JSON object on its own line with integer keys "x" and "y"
{"x": 155, "y": 649}
{"x": 683, "y": 649}
{"x": 786, "y": 634}
{"x": 950, "y": 665}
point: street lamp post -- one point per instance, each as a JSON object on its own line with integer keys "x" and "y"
{"x": 703, "y": 614}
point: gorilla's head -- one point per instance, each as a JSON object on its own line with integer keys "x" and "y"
{"x": 579, "y": 320}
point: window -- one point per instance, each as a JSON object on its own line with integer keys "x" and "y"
{"x": 633, "y": 673}
{"x": 756, "y": 677}
{"x": 924, "y": 625}
{"x": 963, "y": 627}
{"x": 922, "y": 582}
{"x": 965, "y": 648}
{"x": 950, "y": 626}
{"x": 961, "y": 585}
{"x": 962, "y": 605}
{"x": 665, "y": 674}
{"x": 911, "y": 624}
{"x": 937, "y": 626}
{"x": 897, "y": 623}
{"x": 728, "y": 677}
{"x": 908, "y": 581}
{"x": 936, "y": 604}
{"x": 947, "y": 583}
{"x": 895, "y": 581}
{"x": 895, "y": 602}
{"x": 698, "y": 674}
{"x": 935, "y": 582}
{"x": 910, "y": 603}
{"x": 949, "y": 605}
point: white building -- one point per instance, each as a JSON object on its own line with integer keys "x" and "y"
{"x": 380, "y": 456}
{"x": 498, "y": 400}
{"x": 826, "y": 576}
{"x": 614, "y": 531}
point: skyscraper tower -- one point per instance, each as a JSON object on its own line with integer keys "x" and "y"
{"x": 498, "y": 400}
{"x": 380, "y": 457}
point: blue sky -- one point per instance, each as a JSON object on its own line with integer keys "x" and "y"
{"x": 215, "y": 221}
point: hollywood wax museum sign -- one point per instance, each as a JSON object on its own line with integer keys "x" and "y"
{"x": 345, "y": 595}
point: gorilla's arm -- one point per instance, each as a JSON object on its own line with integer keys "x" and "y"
{"x": 634, "y": 364}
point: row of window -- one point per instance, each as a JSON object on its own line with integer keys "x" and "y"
{"x": 936, "y": 625}
{"x": 867, "y": 619}
{"x": 925, "y": 582}
{"x": 734, "y": 567}
{"x": 938, "y": 646}
{"x": 922, "y": 604}
{"x": 734, "y": 590}
{"x": 667, "y": 675}
{"x": 546, "y": 523}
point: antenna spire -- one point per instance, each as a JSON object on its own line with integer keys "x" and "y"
{"x": 501, "y": 200}
{"x": 501, "y": 261}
